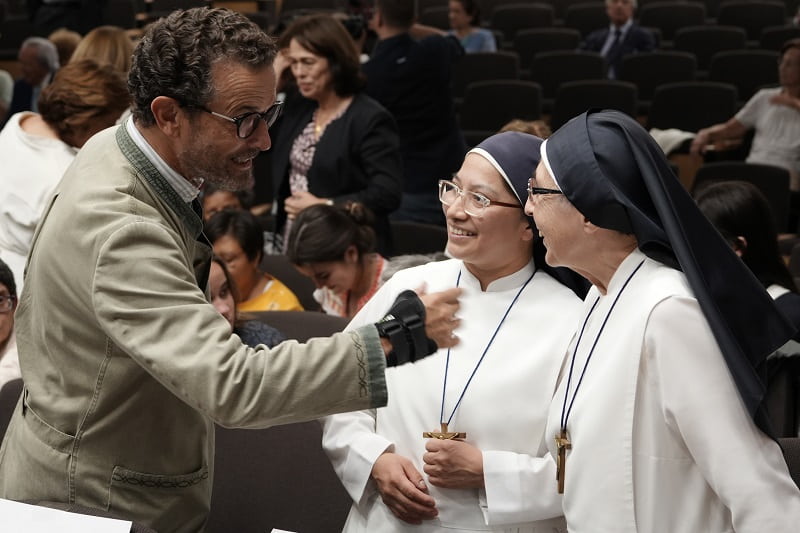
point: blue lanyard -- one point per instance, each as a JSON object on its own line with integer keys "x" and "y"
{"x": 474, "y": 370}
{"x": 564, "y": 410}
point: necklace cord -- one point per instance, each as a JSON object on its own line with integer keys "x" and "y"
{"x": 565, "y": 412}
{"x": 485, "y": 350}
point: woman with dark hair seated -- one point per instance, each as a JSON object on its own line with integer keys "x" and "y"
{"x": 335, "y": 144}
{"x": 741, "y": 213}
{"x": 237, "y": 238}
{"x": 334, "y": 246}
{"x": 224, "y": 298}
{"x": 465, "y": 23}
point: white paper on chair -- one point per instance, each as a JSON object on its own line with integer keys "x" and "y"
{"x": 35, "y": 519}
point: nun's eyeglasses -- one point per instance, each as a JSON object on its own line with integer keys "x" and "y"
{"x": 246, "y": 123}
{"x": 474, "y": 202}
{"x": 535, "y": 191}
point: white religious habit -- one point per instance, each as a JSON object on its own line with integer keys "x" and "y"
{"x": 503, "y": 410}
{"x": 660, "y": 441}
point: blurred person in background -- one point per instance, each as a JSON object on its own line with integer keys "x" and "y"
{"x": 36, "y": 148}
{"x": 334, "y": 144}
{"x": 335, "y": 247}
{"x": 465, "y": 23}
{"x": 224, "y": 298}
{"x": 238, "y": 239}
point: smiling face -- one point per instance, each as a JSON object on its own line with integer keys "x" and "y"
{"x": 337, "y": 276}
{"x": 210, "y": 148}
{"x": 560, "y": 225}
{"x": 312, "y": 71}
{"x": 499, "y": 241}
{"x": 221, "y": 295}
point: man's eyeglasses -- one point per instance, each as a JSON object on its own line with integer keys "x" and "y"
{"x": 247, "y": 123}
{"x": 534, "y": 191}
{"x": 474, "y": 202}
{"x": 7, "y": 303}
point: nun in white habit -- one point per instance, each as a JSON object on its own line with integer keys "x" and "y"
{"x": 657, "y": 424}
{"x": 490, "y": 393}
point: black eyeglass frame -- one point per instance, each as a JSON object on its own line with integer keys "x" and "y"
{"x": 270, "y": 116}
{"x": 535, "y": 191}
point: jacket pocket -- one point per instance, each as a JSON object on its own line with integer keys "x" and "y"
{"x": 164, "y": 502}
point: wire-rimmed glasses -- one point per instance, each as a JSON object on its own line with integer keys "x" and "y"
{"x": 7, "y": 303}
{"x": 475, "y": 203}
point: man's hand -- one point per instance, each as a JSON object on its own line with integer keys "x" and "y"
{"x": 402, "y": 489}
{"x": 440, "y": 315}
{"x": 453, "y": 464}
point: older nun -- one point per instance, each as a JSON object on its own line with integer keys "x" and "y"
{"x": 658, "y": 423}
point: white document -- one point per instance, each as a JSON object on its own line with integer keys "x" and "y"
{"x": 21, "y": 517}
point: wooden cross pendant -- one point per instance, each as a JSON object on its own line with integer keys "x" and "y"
{"x": 562, "y": 445}
{"x": 444, "y": 434}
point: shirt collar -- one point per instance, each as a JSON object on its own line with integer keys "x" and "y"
{"x": 185, "y": 188}
{"x": 624, "y": 28}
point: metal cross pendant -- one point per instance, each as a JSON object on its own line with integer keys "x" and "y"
{"x": 444, "y": 434}
{"x": 562, "y": 445}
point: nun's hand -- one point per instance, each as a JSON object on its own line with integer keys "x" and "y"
{"x": 403, "y": 489}
{"x": 453, "y": 464}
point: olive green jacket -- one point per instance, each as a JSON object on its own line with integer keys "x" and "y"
{"x": 127, "y": 366}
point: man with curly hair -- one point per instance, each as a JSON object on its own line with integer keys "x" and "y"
{"x": 126, "y": 364}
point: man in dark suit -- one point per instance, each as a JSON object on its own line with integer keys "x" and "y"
{"x": 621, "y": 37}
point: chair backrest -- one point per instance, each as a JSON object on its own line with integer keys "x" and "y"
{"x": 748, "y": 70}
{"x": 482, "y": 66}
{"x": 691, "y": 105}
{"x": 275, "y": 478}
{"x": 418, "y": 238}
{"x": 279, "y": 267}
{"x": 301, "y": 325}
{"x": 705, "y": 41}
{"x": 575, "y": 97}
{"x": 551, "y": 69}
{"x": 13, "y": 30}
{"x": 752, "y": 15}
{"x": 287, "y": 6}
{"x": 561, "y": 6}
{"x": 670, "y": 16}
{"x": 651, "y": 69}
{"x": 528, "y": 43}
{"x": 772, "y": 181}
{"x": 437, "y": 17}
{"x": 510, "y": 19}
{"x": 9, "y": 396}
{"x": 488, "y": 105}
{"x": 791, "y": 453}
{"x": 773, "y": 37}
{"x": 586, "y": 17}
